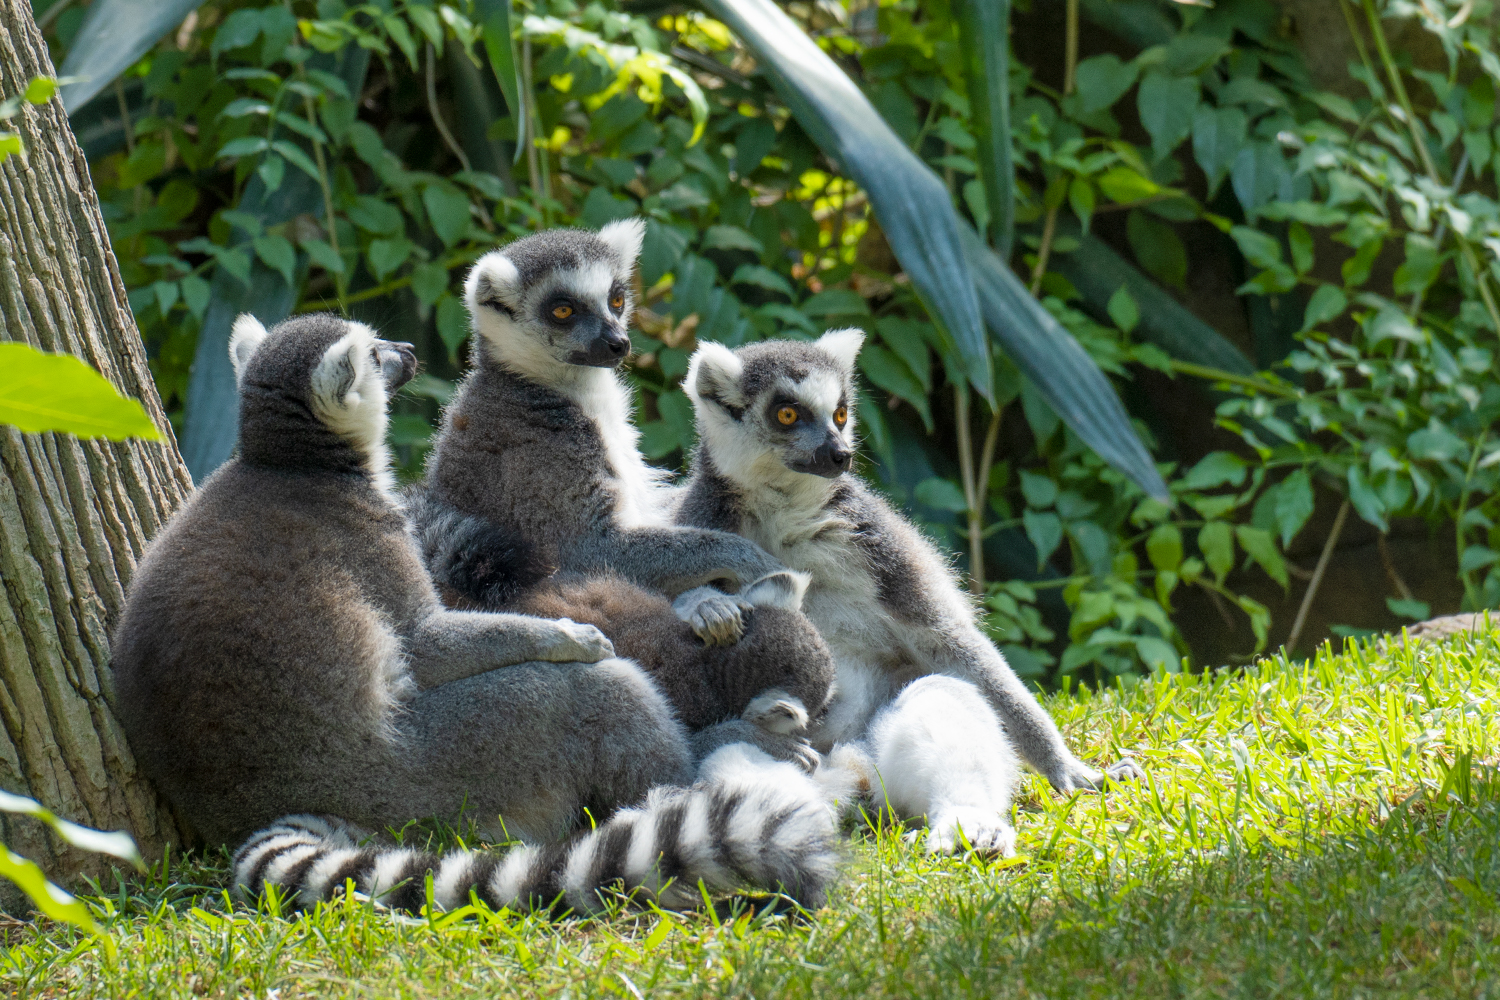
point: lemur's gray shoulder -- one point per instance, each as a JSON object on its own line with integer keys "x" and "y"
{"x": 508, "y": 404}
{"x": 708, "y": 499}
{"x": 899, "y": 557}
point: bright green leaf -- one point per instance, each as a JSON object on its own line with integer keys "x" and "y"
{"x": 58, "y": 392}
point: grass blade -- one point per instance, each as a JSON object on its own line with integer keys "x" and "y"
{"x": 1065, "y": 376}
{"x": 114, "y": 34}
{"x": 912, "y": 205}
{"x": 984, "y": 35}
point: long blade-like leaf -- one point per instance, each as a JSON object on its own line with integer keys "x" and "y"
{"x": 114, "y": 34}
{"x": 500, "y": 46}
{"x": 984, "y": 35}
{"x": 913, "y": 207}
{"x": 1066, "y": 377}
{"x": 1098, "y": 273}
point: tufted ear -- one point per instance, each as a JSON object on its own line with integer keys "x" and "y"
{"x": 624, "y": 237}
{"x": 714, "y": 377}
{"x": 844, "y": 345}
{"x": 245, "y": 336}
{"x": 493, "y": 282}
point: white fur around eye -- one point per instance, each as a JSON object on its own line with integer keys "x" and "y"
{"x": 245, "y": 337}
{"x": 843, "y": 345}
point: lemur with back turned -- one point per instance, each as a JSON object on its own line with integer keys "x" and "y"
{"x": 283, "y": 651}
{"x": 937, "y": 708}
{"x": 537, "y": 499}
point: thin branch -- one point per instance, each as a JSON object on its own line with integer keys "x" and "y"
{"x": 1044, "y": 252}
{"x": 1070, "y": 70}
{"x": 971, "y": 493}
{"x": 1317, "y": 578}
{"x": 437, "y": 115}
{"x": 710, "y": 65}
{"x": 1390, "y": 569}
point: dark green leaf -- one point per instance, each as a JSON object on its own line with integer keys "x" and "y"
{"x": 1166, "y": 105}
{"x": 835, "y": 302}
{"x": 909, "y": 201}
{"x": 113, "y": 35}
{"x": 942, "y": 494}
{"x": 1123, "y": 310}
{"x": 1216, "y": 542}
{"x": 429, "y": 281}
{"x": 448, "y": 210}
{"x": 1294, "y": 505}
{"x": 1045, "y": 531}
{"x": 1164, "y": 548}
{"x": 1259, "y": 545}
{"x": 1158, "y": 248}
{"x": 984, "y": 33}
{"x": 890, "y": 373}
{"x": 1103, "y": 80}
{"x": 452, "y": 324}
{"x": 731, "y": 238}
{"x": 387, "y": 255}
{"x": 278, "y": 255}
{"x": 1327, "y": 303}
{"x": 1366, "y": 501}
{"x": 1218, "y": 136}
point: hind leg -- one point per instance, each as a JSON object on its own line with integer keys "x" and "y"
{"x": 940, "y": 752}
{"x": 525, "y": 749}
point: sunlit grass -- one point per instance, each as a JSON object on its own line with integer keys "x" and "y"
{"x": 1322, "y": 829}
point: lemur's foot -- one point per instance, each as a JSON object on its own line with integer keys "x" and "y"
{"x": 715, "y": 617}
{"x": 1074, "y": 775}
{"x": 576, "y": 643}
{"x": 777, "y": 712}
{"x": 782, "y": 589}
{"x": 986, "y": 831}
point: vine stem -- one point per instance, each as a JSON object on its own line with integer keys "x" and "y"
{"x": 1070, "y": 74}
{"x": 528, "y": 110}
{"x": 1317, "y": 577}
{"x": 437, "y": 116}
{"x": 1458, "y": 520}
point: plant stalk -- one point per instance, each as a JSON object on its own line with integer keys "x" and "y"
{"x": 437, "y": 115}
{"x": 1317, "y": 578}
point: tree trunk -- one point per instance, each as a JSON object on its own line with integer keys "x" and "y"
{"x": 74, "y": 515}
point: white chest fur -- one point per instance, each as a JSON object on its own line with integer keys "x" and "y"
{"x": 643, "y": 495}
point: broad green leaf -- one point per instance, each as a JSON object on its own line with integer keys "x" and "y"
{"x": 1366, "y": 501}
{"x": 984, "y": 33}
{"x": 1158, "y": 248}
{"x": 277, "y": 254}
{"x": 1294, "y": 505}
{"x": 1164, "y": 548}
{"x": 835, "y": 302}
{"x": 52, "y": 901}
{"x": 1218, "y": 136}
{"x": 1327, "y": 303}
{"x": 113, "y": 35}
{"x": 1260, "y": 249}
{"x": 40, "y": 90}
{"x": 1045, "y": 531}
{"x": 1123, "y": 310}
{"x": 943, "y": 494}
{"x": 58, "y": 392}
{"x": 1103, "y": 80}
{"x": 1057, "y": 367}
{"x": 761, "y": 277}
{"x": 1217, "y": 468}
{"x": 429, "y": 281}
{"x": 1040, "y": 491}
{"x": 890, "y": 373}
{"x": 1216, "y": 542}
{"x": 1477, "y": 557}
{"x": 911, "y": 204}
{"x": 452, "y": 324}
{"x": 1123, "y": 185}
{"x": 1417, "y": 611}
{"x": 387, "y": 255}
{"x": 448, "y": 209}
{"x": 1257, "y": 174}
{"x": 1167, "y": 104}
{"x": 322, "y": 254}
{"x": 1260, "y": 546}
{"x": 731, "y": 238}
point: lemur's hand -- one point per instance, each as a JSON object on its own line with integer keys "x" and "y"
{"x": 715, "y": 617}
{"x": 570, "y": 642}
{"x": 1073, "y": 775}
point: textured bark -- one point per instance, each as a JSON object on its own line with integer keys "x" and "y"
{"x": 74, "y": 515}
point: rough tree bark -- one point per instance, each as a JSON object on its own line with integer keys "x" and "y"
{"x": 74, "y": 515}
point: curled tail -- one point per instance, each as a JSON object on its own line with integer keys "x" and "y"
{"x": 754, "y": 824}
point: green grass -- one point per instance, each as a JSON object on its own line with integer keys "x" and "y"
{"x": 1327, "y": 829}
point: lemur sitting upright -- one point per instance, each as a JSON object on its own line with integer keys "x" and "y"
{"x": 537, "y": 499}
{"x": 283, "y": 651}
{"x": 932, "y": 698}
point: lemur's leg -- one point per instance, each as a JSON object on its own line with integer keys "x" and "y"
{"x": 529, "y": 747}
{"x": 1036, "y": 736}
{"x": 939, "y": 751}
{"x": 451, "y": 645}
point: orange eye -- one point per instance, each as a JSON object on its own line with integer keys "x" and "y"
{"x": 787, "y": 415}
{"x": 617, "y": 303}
{"x": 841, "y": 416}
{"x": 561, "y": 312}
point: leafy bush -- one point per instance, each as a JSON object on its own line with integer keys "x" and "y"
{"x": 255, "y": 123}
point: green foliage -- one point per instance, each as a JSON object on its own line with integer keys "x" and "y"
{"x": 1314, "y": 830}
{"x": 764, "y": 220}
{"x": 38, "y": 91}
{"x": 58, "y": 392}
{"x": 52, "y": 901}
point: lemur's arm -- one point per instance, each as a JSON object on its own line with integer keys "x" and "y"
{"x": 1027, "y": 724}
{"x": 451, "y": 645}
{"x": 672, "y": 560}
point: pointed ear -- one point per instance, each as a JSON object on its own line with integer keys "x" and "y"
{"x": 244, "y": 337}
{"x": 333, "y": 380}
{"x": 844, "y": 345}
{"x": 493, "y": 282}
{"x": 714, "y": 377}
{"x": 624, "y": 237}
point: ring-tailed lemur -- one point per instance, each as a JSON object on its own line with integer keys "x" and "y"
{"x": 537, "y": 468}
{"x": 283, "y": 651}
{"x": 917, "y": 679}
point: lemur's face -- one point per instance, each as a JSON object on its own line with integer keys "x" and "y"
{"x": 558, "y": 296}
{"x": 787, "y": 402}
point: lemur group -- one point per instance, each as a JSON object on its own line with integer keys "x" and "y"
{"x": 640, "y": 686}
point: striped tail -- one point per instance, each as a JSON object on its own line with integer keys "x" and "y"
{"x": 754, "y": 824}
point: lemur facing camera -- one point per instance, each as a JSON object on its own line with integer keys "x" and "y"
{"x": 283, "y": 651}
{"x": 934, "y": 701}
{"x": 537, "y": 499}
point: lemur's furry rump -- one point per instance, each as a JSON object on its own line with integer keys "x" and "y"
{"x": 753, "y": 825}
{"x": 473, "y": 561}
